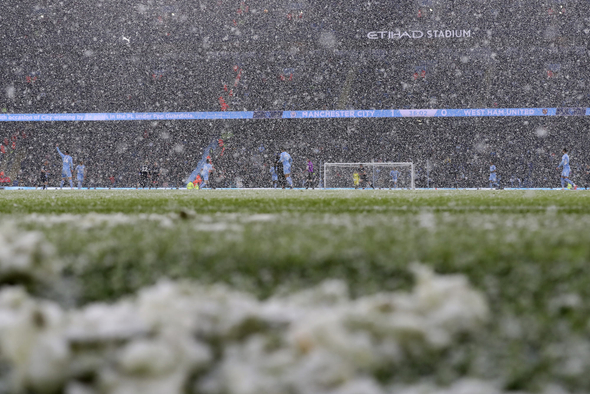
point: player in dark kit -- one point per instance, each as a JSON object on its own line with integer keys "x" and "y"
{"x": 44, "y": 175}
{"x": 363, "y": 177}
{"x": 144, "y": 175}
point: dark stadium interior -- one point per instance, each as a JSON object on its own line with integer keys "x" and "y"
{"x": 213, "y": 55}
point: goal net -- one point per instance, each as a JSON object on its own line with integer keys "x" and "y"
{"x": 380, "y": 175}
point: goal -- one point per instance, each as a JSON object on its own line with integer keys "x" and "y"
{"x": 341, "y": 175}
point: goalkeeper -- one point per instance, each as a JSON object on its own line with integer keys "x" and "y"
{"x": 310, "y": 175}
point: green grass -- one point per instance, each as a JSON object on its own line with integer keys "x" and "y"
{"x": 294, "y": 201}
{"x": 525, "y": 250}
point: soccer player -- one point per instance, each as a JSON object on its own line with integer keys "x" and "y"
{"x": 275, "y": 177}
{"x": 44, "y": 176}
{"x": 493, "y": 176}
{"x": 394, "y": 175}
{"x": 279, "y": 170}
{"x": 310, "y": 175}
{"x": 144, "y": 174}
{"x": 565, "y": 173}
{"x": 80, "y": 173}
{"x": 364, "y": 177}
{"x": 356, "y": 179}
{"x": 68, "y": 166}
{"x": 207, "y": 168}
{"x": 285, "y": 158}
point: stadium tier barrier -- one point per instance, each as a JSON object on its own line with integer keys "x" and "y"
{"x": 370, "y": 113}
{"x": 281, "y": 190}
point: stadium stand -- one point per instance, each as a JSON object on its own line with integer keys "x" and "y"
{"x": 168, "y": 55}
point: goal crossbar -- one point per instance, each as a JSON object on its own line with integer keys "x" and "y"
{"x": 371, "y": 166}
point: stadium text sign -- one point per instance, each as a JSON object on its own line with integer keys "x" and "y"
{"x": 338, "y": 114}
{"x": 274, "y": 114}
{"x": 417, "y": 34}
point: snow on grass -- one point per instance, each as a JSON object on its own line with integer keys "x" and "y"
{"x": 272, "y": 201}
{"x": 26, "y": 257}
{"x": 527, "y": 253}
{"x": 217, "y": 340}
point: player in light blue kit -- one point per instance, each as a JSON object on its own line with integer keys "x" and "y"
{"x": 80, "y": 173}
{"x": 67, "y": 168}
{"x": 207, "y": 168}
{"x": 394, "y": 175}
{"x": 565, "y": 173}
{"x": 275, "y": 176}
{"x": 493, "y": 176}
{"x": 285, "y": 158}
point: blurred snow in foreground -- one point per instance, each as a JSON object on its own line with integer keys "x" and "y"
{"x": 178, "y": 337}
{"x": 26, "y": 258}
{"x": 181, "y": 337}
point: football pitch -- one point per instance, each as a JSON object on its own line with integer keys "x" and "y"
{"x": 526, "y": 252}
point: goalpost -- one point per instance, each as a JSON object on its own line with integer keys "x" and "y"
{"x": 341, "y": 175}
